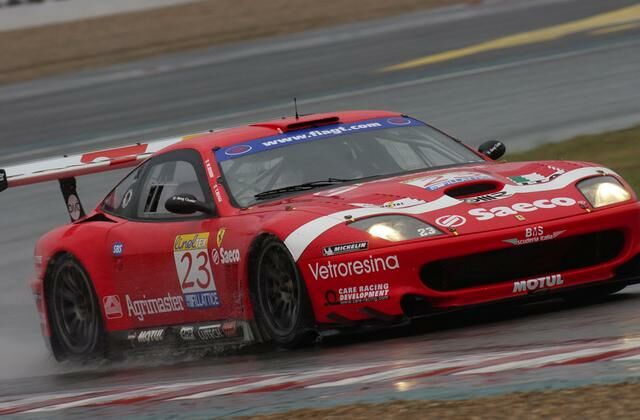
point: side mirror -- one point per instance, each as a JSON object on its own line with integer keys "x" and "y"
{"x": 187, "y": 204}
{"x": 493, "y": 149}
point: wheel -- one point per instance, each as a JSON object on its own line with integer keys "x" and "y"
{"x": 279, "y": 296}
{"x": 592, "y": 294}
{"x": 76, "y": 322}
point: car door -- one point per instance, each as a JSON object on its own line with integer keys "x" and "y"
{"x": 162, "y": 261}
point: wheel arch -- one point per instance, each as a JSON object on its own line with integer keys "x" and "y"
{"x": 255, "y": 248}
{"x": 52, "y": 263}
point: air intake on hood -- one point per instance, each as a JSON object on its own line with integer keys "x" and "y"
{"x": 473, "y": 189}
{"x": 312, "y": 123}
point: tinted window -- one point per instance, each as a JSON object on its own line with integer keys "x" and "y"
{"x": 164, "y": 179}
{"x": 121, "y": 197}
{"x": 346, "y": 154}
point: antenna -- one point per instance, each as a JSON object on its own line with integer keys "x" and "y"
{"x": 295, "y": 105}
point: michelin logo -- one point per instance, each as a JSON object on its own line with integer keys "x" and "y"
{"x": 329, "y": 251}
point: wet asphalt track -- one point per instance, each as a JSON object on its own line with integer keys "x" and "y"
{"x": 523, "y": 95}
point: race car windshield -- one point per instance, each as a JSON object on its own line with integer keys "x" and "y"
{"x": 320, "y": 157}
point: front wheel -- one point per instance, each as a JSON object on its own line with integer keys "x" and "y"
{"x": 76, "y": 322}
{"x": 280, "y": 298}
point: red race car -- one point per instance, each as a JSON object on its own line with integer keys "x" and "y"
{"x": 285, "y": 229}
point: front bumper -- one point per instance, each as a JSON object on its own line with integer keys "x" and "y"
{"x": 342, "y": 291}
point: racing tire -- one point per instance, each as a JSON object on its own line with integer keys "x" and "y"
{"x": 279, "y": 297}
{"x": 592, "y": 294}
{"x": 76, "y": 321}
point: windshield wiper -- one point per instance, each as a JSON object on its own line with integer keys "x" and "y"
{"x": 302, "y": 187}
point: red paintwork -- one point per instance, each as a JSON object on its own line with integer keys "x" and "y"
{"x": 147, "y": 267}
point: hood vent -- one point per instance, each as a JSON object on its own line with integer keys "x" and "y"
{"x": 474, "y": 189}
{"x": 313, "y": 123}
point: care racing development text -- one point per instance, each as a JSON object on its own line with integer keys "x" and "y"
{"x": 358, "y": 294}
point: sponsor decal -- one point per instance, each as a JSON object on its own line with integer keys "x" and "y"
{"x": 127, "y": 198}
{"x": 488, "y": 197}
{"x": 74, "y": 207}
{"x": 451, "y": 221}
{"x": 139, "y": 308}
{"x": 118, "y": 249}
{"x": 434, "y": 183}
{"x": 538, "y": 178}
{"x": 224, "y": 256}
{"x": 537, "y": 283}
{"x": 332, "y": 271}
{"x": 150, "y": 336}
{"x": 399, "y": 121}
{"x": 230, "y": 328}
{"x": 112, "y": 307}
{"x": 311, "y": 134}
{"x": 328, "y": 251}
{"x": 220, "y": 236}
{"x": 403, "y": 203}
{"x": 218, "y": 194}
{"x": 520, "y": 217}
{"x": 533, "y": 235}
{"x": 187, "y": 333}
{"x": 209, "y": 169}
{"x": 358, "y": 294}
{"x": 515, "y": 209}
{"x": 210, "y": 332}
{"x": 238, "y": 150}
{"x": 428, "y": 231}
{"x": 191, "y": 256}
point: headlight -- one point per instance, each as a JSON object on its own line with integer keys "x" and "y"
{"x": 603, "y": 191}
{"x": 396, "y": 228}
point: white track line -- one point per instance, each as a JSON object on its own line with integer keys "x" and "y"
{"x": 397, "y": 370}
{"x": 547, "y": 360}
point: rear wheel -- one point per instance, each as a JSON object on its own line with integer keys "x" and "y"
{"x": 280, "y": 298}
{"x": 76, "y": 322}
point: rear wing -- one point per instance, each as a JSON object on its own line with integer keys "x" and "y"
{"x": 66, "y": 168}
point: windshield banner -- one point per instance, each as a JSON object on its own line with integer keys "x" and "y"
{"x": 312, "y": 134}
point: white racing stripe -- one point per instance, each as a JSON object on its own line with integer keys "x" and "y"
{"x": 300, "y": 238}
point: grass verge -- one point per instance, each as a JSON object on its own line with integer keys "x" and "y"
{"x": 47, "y": 50}
{"x": 618, "y": 150}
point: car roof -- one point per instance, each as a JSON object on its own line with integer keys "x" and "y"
{"x": 237, "y": 135}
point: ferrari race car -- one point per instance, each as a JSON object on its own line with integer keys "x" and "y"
{"x": 282, "y": 230}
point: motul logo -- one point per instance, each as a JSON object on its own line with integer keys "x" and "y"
{"x": 150, "y": 336}
{"x": 537, "y": 284}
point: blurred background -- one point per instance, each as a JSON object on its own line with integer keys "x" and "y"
{"x": 77, "y": 75}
